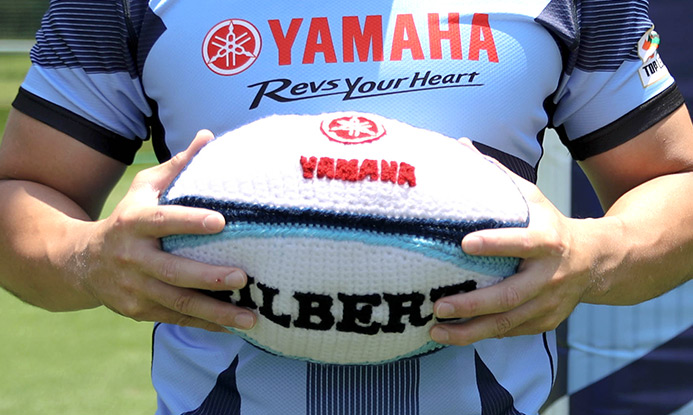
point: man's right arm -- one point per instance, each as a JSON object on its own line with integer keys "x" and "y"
{"x": 56, "y": 255}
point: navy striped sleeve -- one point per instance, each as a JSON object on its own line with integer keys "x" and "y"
{"x": 84, "y": 79}
{"x": 613, "y": 89}
{"x": 84, "y": 34}
{"x": 609, "y": 33}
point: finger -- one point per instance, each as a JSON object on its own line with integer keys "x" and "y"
{"x": 534, "y": 326}
{"x": 140, "y": 309}
{"x": 178, "y": 319}
{"x": 512, "y": 242}
{"x": 182, "y": 272}
{"x": 508, "y": 294}
{"x": 163, "y": 220}
{"x": 497, "y": 325}
{"x": 471, "y": 331}
{"x": 159, "y": 177}
{"x": 195, "y": 306}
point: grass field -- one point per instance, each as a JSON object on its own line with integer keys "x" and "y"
{"x": 88, "y": 362}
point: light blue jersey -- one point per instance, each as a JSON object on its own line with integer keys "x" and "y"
{"x": 498, "y": 72}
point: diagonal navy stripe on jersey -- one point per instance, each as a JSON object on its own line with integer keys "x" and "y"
{"x": 447, "y": 231}
{"x": 515, "y": 164}
{"x": 224, "y": 398}
{"x": 658, "y": 383}
{"x": 495, "y": 399}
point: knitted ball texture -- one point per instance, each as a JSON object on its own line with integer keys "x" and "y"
{"x": 349, "y": 228}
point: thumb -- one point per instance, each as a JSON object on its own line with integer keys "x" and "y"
{"x": 159, "y": 177}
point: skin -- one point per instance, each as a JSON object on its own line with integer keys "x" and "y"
{"x": 640, "y": 249}
{"x": 55, "y": 255}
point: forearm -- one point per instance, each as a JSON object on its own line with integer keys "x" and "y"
{"x": 42, "y": 240}
{"x": 643, "y": 246}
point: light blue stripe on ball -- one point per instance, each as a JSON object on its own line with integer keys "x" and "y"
{"x": 491, "y": 266}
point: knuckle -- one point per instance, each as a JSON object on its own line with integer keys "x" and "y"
{"x": 472, "y": 306}
{"x": 503, "y": 325}
{"x": 547, "y": 324}
{"x": 184, "y": 303}
{"x": 128, "y": 259}
{"x": 124, "y": 219}
{"x": 169, "y": 271}
{"x": 556, "y": 244}
{"x": 552, "y": 304}
{"x": 158, "y": 217}
{"x": 122, "y": 256}
{"x": 135, "y": 310}
{"x": 178, "y": 161}
{"x": 510, "y": 298}
{"x": 143, "y": 178}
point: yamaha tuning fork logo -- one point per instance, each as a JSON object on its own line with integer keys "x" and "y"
{"x": 352, "y": 129}
{"x": 231, "y": 47}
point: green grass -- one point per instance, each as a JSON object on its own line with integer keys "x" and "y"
{"x": 78, "y": 363}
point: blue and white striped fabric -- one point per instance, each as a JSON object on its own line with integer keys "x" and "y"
{"x": 609, "y": 31}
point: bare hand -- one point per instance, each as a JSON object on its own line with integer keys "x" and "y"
{"x": 126, "y": 270}
{"x": 549, "y": 283}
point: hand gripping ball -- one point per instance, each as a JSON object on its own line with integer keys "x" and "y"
{"x": 349, "y": 228}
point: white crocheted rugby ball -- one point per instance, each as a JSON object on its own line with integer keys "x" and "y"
{"x": 349, "y": 227}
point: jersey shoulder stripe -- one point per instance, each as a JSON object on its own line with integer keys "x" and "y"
{"x": 84, "y": 34}
{"x": 609, "y": 31}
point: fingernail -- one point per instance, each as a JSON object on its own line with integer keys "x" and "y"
{"x": 472, "y": 244}
{"x": 440, "y": 335}
{"x": 244, "y": 321}
{"x": 236, "y": 279}
{"x": 445, "y": 310}
{"x": 214, "y": 222}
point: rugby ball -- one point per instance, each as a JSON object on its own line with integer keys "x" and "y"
{"x": 349, "y": 228}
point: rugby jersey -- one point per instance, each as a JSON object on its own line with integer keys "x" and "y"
{"x": 112, "y": 74}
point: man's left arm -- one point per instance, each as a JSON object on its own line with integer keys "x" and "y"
{"x": 641, "y": 248}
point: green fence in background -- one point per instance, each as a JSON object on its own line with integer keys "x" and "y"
{"x": 19, "y": 19}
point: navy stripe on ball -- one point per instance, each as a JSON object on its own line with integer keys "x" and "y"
{"x": 448, "y": 231}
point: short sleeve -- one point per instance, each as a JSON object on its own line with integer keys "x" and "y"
{"x": 84, "y": 79}
{"x": 619, "y": 85}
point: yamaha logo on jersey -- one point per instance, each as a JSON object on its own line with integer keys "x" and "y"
{"x": 352, "y": 130}
{"x": 231, "y": 47}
